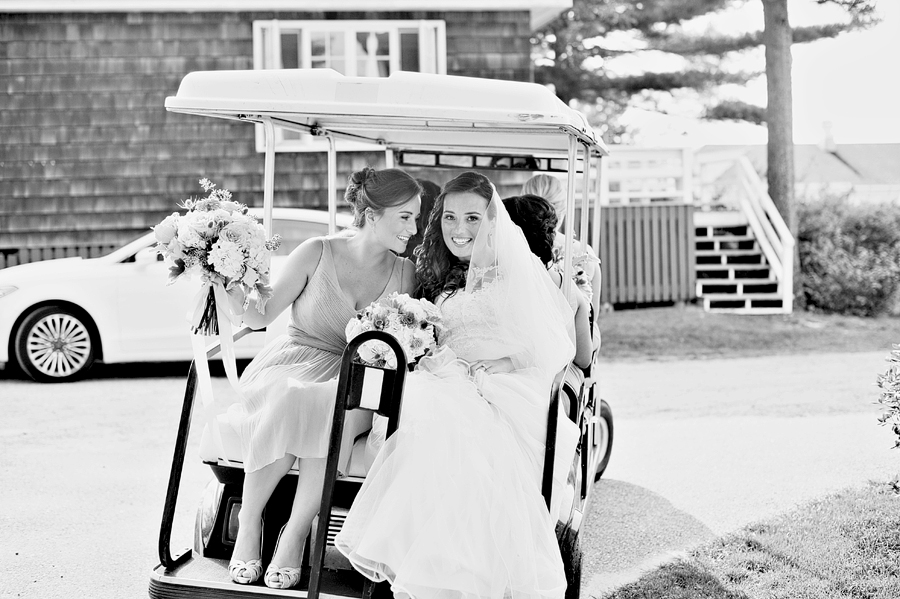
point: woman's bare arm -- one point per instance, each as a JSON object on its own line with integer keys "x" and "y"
{"x": 292, "y": 280}
{"x": 584, "y": 346}
{"x": 408, "y": 284}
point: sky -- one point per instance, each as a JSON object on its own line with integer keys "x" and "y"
{"x": 851, "y": 82}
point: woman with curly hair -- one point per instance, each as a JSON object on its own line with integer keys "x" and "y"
{"x": 537, "y": 219}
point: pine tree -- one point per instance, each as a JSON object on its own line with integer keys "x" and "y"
{"x": 570, "y": 52}
{"x": 571, "y": 49}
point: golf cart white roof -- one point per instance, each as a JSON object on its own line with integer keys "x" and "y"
{"x": 406, "y": 111}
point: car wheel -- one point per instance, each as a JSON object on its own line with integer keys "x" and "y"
{"x": 54, "y": 345}
{"x": 604, "y": 438}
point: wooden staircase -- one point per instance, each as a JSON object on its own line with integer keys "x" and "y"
{"x": 733, "y": 274}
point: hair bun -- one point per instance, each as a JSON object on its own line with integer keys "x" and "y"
{"x": 362, "y": 176}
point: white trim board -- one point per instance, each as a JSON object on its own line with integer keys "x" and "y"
{"x": 542, "y": 11}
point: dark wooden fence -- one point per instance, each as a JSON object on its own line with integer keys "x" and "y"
{"x": 647, "y": 253}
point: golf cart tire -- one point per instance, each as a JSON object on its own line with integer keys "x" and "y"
{"x": 570, "y": 550}
{"x": 606, "y": 419}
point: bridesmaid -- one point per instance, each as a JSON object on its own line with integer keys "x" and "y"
{"x": 551, "y": 189}
{"x": 326, "y": 281}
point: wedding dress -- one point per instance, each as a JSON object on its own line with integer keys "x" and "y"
{"x": 452, "y": 506}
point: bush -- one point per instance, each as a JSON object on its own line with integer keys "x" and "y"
{"x": 889, "y": 386}
{"x": 849, "y": 255}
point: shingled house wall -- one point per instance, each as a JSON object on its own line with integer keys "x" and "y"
{"x": 89, "y": 157}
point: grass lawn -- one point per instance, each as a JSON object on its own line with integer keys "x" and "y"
{"x": 843, "y": 546}
{"x": 689, "y": 332}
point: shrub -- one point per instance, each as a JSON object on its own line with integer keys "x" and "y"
{"x": 849, "y": 255}
{"x": 889, "y": 398}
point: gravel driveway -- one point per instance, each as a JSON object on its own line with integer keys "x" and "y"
{"x": 700, "y": 449}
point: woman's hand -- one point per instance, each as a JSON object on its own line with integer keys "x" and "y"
{"x": 237, "y": 300}
{"x": 492, "y": 366}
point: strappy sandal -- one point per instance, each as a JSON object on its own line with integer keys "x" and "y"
{"x": 247, "y": 572}
{"x": 282, "y": 578}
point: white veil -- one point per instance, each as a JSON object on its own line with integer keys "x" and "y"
{"x": 530, "y": 309}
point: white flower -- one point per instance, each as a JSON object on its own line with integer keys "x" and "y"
{"x": 192, "y": 229}
{"x": 174, "y": 250}
{"x": 227, "y": 258}
{"x": 250, "y": 278}
{"x": 166, "y": 230}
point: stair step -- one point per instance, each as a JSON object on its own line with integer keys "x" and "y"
{"x": 740, "y": 276}
{"x": 719, "y": 219}
{"x": 732, "y": 267}
{"x": 723, "y": 286}
{"x": 745, "y": 310}
{"x": 742, "y": 296}
{"x": 734, "y": 286}
{"x": 714, "y": 245}
{"x": 771, "y": 287}
{"x": 725, "y": 237}
{"x": 724, "y": 252}
{"x": 767, "y": 305}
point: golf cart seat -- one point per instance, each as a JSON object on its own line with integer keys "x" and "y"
{"x": 353, "y": 462}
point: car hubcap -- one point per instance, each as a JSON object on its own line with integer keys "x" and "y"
{"x": 58, "y": 345}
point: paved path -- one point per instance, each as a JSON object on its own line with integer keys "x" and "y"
{"x": 705, "y": 447}
{"x": 701, "y": 448}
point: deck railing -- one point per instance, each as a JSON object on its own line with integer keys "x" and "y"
{"x": 729, "y": 181}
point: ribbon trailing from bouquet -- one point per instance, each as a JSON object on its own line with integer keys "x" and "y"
{"x": 212, "y": 317}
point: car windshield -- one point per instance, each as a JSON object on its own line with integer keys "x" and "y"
{"x": 295, "y": 232}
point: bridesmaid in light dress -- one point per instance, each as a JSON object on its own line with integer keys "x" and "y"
{"x": 326, "y": 281}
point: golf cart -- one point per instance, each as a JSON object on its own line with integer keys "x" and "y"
{"x": 419, "y": 121}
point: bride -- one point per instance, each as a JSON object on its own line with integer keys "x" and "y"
{"x": 452, "y": 506}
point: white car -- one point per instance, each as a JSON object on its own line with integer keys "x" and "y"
{"x": 57, "y": 317}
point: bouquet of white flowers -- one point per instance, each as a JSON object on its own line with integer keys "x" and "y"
{"x": 218, "y": 238}
{"x": 411, "y": 321}
{"x": 581, "y": 257}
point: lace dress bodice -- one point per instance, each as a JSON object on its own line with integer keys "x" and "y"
{"x": 470, "y": 326}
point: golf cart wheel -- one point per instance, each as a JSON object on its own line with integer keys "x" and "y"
{"x": 55, "y": 345}
{"x": 570, "y": 550}
{"x": 604, "y": 437}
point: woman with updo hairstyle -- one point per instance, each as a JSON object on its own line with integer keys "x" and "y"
{"x": 537, "y": 219}
{"x": 283, "y": 418}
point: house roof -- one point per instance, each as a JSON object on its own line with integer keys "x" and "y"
{"x": 542, "y": 11}
{"x": 855, "y": 164}
{"x": 406, "y": 111}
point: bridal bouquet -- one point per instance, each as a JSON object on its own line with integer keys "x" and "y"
{"x": 219, "y": 239}
{"x": 411, "y": 321}
{"x": 580, "y": 259}
{"x": 889, "y": 384}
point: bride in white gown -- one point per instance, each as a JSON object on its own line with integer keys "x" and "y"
{"x": 452, "y": 506}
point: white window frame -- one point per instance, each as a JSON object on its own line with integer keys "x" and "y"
{"x": 267, "y": 51}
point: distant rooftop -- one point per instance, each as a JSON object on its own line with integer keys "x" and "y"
{"x": 854, "y": 164}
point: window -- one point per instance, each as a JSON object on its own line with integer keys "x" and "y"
{"x": 352, "y": 48}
